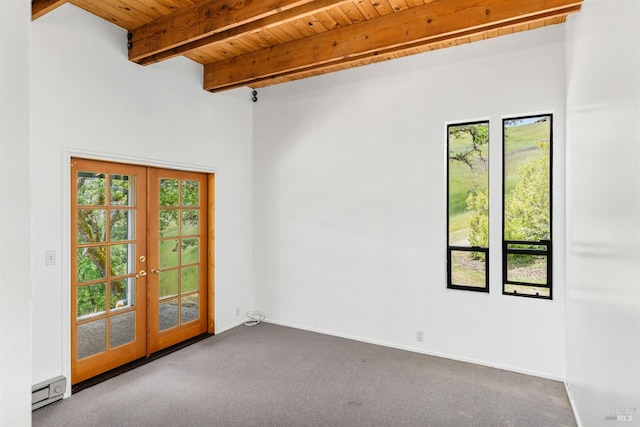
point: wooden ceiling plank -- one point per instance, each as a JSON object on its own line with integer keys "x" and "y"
{"x": 520, "y": 28}
{"x": 116, "y": 15}
{"x": 352, "y": 12}
{"x": 367, "y": 9}
{"x": 216, "y": 16}
{"x": 383, "y": 7}
{"x": 269, "y": 22}
{"x": 217, "y": 50}
{"x": 303, "y": 27}
{"x": 262, "y": 39}
{"x": 449, "y": 43}
{"x": 340, "y": 17}
{"x": 231, "y": 48}
{"x": 291, "y": 30}
{"x": 244, "y": 45}
{"x": 151, "y": 8}
{"x": 204, "y": 56}
{"x": 556, "y": 20}
{"x": 316, "y": 24}
{"x": 258, "y": 40}
{"x": 402, "y": 30}
{"x": 196, "y": 56}
{"x": 174, "y": 5}
{"x": 267, "y": 38}
{"x": 42, "y": 7}
{"x": 398, "y": 5}
{"x": 138, "y": 15}
{"x": 536, "y": 24}
{"x": 280, "y": 34}
{"x": 327, "y": 20}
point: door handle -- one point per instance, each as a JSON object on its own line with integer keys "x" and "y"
{"x": 155, "y": 271}
{"x": 141, "y": 273}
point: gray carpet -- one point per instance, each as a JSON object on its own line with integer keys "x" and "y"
{"x": 269, "y": 375}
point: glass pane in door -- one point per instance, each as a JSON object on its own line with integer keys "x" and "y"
{"x": 169, "y": 284}
{"x": 190, "y": 279}
{"x": 122, "y": 329}
{"x": 91, "y": 188}
{"x": 169, "y": 222}
{"x": 122, "y": 294}
{"x": 91, "y": 301}
{"x": 122, "y": 190}
{"x": 189, "y": 306}
{"x": 169, "y": 314}
{"x": 190, "y": 222}
{"x": 91, "y": 338}
{"x": 122, "y": 224}
{"x": 169, "y": 192}
{"x": 92, "y": 225}
{"x": 190, "y": 193}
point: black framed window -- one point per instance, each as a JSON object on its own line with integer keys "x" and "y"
{"x": 527, "y": 206}
{"x": 468, "y": 206}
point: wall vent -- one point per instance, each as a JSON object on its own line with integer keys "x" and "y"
{"x": 48, "y": 392}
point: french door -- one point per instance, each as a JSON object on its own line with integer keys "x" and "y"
{"x": 140, "y": 262}
{"x": 177, "y": 249}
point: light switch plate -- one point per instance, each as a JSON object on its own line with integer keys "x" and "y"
{"x": 50, "y": 258}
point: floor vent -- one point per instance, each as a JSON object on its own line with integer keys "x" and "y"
{"x": 48, "y": 392}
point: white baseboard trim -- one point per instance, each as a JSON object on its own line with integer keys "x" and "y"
{"x": 567, "y": 387}
{"x": 418, "y": 350}
{"x": 227, "y": 327}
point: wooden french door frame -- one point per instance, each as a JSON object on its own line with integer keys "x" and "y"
{"x": 177, "y": 241}
{"x": 106, "y": 257}
{"x": 122, "y": 353}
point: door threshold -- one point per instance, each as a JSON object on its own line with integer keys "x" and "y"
{"x": 75, "y": 388}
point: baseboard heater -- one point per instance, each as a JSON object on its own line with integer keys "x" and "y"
{"x": 48, "y": 392}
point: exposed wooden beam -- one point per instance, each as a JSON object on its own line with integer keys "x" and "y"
{"x": 440, "y": 20}
{"x": 42, "y": 7}
{"x": 387, "y": 54}
{"x": 143, "y": 57}
{"x": 205, "y": 19}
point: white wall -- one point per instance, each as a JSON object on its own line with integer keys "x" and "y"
{"x": 603, "y": 204}
{"x": 348, "y": 192}
{"x": 349, "y": 201}
{"x": 87, "y": 97}
{"x": 15, "y": 285}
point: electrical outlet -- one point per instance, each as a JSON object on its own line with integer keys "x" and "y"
{"x": 237, "y": 311}
{"x": 419, "y": 336}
